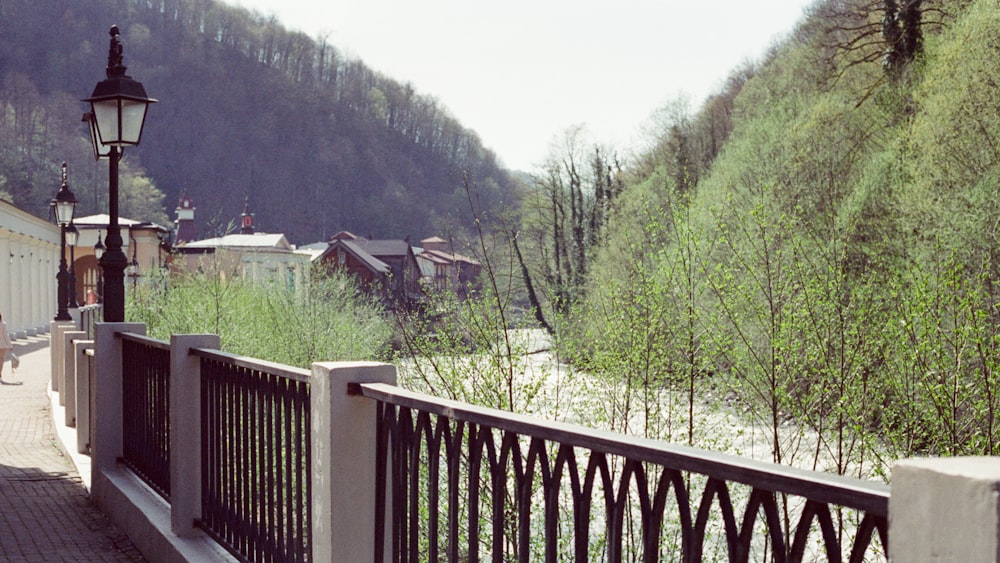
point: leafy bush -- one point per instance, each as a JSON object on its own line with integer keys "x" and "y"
{"x": 327, "y": 319}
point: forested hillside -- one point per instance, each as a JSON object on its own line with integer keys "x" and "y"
{"x": 817, "y": 243}
{"x": 316, "y": 141}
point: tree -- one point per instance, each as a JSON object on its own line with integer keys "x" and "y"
{"x": 139, "y": 199}
{"x": 855, "y": 32}
{"x": 563, "y": 223}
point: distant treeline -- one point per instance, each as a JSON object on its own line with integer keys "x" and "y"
{"x": 316, "y": 141}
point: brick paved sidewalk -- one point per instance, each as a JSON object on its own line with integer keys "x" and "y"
{"x": 45, "y": 512}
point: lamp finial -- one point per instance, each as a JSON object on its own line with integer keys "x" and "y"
{"x": 115, "y": 50}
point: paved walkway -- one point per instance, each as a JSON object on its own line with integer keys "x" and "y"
{"x": 45, "y": 511}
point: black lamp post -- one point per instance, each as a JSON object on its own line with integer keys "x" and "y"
{"x": 98, "y": 252}
{"x": 133, "y": 267}
{"x": 72, "y": 237}
{"x": 118, "y": 113}
{"x": 64, "y": 205}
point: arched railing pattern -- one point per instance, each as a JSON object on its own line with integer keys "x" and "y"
{"x": 475, "y": 484}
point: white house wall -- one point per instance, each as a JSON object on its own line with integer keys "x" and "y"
{"x": 29, "y": 261}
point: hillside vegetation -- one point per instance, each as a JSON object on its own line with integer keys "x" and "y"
{"x": 317, "y": 141}
{"x": 817, "y": 243}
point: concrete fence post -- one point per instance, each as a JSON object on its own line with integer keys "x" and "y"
{"x": 56, "y": 329}
{"x": 343, "y": 461}
{"x": 67, "y": 396}
{"x": 83, "y": 395}
{"x": 106, "y": 447}
{"x": 185, "y": 430}
{"x": 945, "y": 510}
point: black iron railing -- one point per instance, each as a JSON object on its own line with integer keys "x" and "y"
{"x": 146, "y": 409}
{"x": 89, "y": 316}
{"x": 470, "y": 484}
{"x": 255, "y": 457}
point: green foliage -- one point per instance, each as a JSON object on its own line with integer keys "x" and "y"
{"x": 325, "y": 320}
{"x": 469, "y": 351}
{"x": 140, "y": 199}
{"x": 834, "y": 266}
{"x": 954, "y": 153}
{"x": 639, "y": 333}
{"x": 942, "y": 383}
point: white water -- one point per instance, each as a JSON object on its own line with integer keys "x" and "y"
{"x": 544, "y": 387}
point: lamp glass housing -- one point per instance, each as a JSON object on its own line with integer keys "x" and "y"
{"x": 64, "y": 210}
{"x": 100, "y": 150}
{"x": 72, "y": 235}
{"x": 99, "y": 248}
{"x": 119, "y": 120}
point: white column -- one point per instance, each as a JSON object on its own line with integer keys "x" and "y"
{"x": 50, "y": 285}
{"x": 37, "y": 319}
{"x": 17, "y": 321}
{"x": 45, "y": 270}
{"x": 343, "y": 461}
{"x": 185, "y": 431}
{"x": 945, "y": 509}
{"x": 6, "y": 272}
{"x": 48, "y": 268}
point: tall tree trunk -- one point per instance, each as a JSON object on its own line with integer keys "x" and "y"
{"x": 530, "y": 288}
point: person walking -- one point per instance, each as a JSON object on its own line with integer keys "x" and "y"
{"x": 6, "y": 346}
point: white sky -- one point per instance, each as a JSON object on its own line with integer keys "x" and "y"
{"x": 522, "y": 72}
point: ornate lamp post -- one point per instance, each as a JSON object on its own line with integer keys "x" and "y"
{"x": 72, "y": 237}
{"x": 64, "y": 205}
{"x": 133, "y": 268}
{"x": 118, "y": 113}
{"x": 98, "y": 252}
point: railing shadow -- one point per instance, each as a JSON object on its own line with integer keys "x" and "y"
{"x": 26, "y": 346}
{"x": 40, "y": 505}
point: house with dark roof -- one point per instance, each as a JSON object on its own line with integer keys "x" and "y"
{"x": 445, "y": 270}
{"x": 387, "y": 269}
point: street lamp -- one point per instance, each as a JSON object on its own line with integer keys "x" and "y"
{"x": 72, "y": 237}
{"x": 118, "y": 113}
{"x": 100, "y": 151}
{"x": 64, "y": 205}
{"x": 133, "y": 267}
{"x": 98, "y": 252}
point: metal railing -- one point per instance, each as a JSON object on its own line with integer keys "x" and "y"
{"x": 146, "y": 409}
{"x": 89, "y": 317}
{"x": 458, "y": 482}
{"x": 469, "y": 483}
{"x": 256, "y": 457}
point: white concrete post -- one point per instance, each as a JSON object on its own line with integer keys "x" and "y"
{"x": 106, "y": 446}
{"x": 67, "y": 396}
{"x": 185, "y": 431}
{"x": 945, "y": 510}
{"x": 83, "y": 395}
{"x": 56, "y": 355}
{"x": 343, "y": 461}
